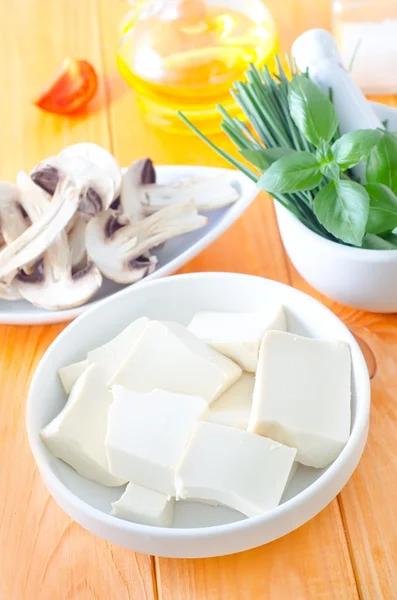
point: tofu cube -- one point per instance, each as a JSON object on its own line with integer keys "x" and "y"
{"x": 164, "y": 360}
{"x": 147, "y": 507}
{"x": 110, "y": 355}
{"x": 234, "y": 468}
{"x": 77, "y": 434}
{"x": 70, "y": 374}
{"x": 238, "y": 335}
{"x": 147, "y": 435}
{"x": 233, "y": 408}
{"x": 302, "y": 395}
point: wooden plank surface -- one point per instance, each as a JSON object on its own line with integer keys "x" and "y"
{"x": 43, "y": 554}
{"x": 346, "y": 552}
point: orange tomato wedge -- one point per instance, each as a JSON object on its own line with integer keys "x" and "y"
{"x": 73, "y": 86}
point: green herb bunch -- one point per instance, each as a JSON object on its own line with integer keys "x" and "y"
{"x": 293, "y": 143}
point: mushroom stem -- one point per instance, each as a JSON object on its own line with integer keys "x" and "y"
{"x": 12, "y": 221}
{"x": 12, "y": 224}
{"x": 117, "y": 250}
{"x": 39, "y": 236}
{"x": 76, "y": 238}
{"x": 208, "y": 194}
{"x": 56, "y": 288}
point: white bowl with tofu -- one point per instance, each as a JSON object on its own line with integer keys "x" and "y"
{"x": 209, "y": 436}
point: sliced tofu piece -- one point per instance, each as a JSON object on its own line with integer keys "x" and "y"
{"x": 77, "y": 434}
{"x": 147, "y": 435}
{"x": 302, "y": 395}
{"x": 235, "y": 468}
{"x": 233, "y": 408}
{"x": 70, "y": 374}
{"x": 144, "y": 506}
{"x": 238, "y": 335}
{"x": 163, "y": 360}
{"x": 110, "y": 356}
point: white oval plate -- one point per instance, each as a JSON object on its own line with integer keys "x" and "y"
{"x": 175, "y": 253}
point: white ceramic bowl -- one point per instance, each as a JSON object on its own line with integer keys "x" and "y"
{"x": 200, "y": 530}
{"x": 365, "y": 279}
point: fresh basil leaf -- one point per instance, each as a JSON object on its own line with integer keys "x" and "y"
{"x": 355, "y": 146}
{"x": 376, "y": 242}
{"x": 394, "y": 183}
{"x": 331, "y": 170}
{"x": 324, "y": 152}
{"x": 291, "y": 173}
{"x": 342, "y": 208}
{"x": 326, "y": 161}
{"x": 262, "y": 159}
{"x": 382, "y": 161}
{"x": 313, "y": 113}
{"x": 382, "y": 215}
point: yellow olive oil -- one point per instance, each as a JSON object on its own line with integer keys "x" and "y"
{"x": 186, "y": 57}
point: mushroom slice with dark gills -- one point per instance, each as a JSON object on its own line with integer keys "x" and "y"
{"x": 29, "y": 246}
{"x": 142, "y": 196}
{"x": 208, "y": 193}
{"x": 55, "y": 286}
{"x": 132, "y": 199}
{"x": 118, "y": 249}
{"x": 101, "y": 158}
{"x": 96, "y": 186}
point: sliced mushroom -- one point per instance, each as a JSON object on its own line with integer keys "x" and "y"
{"x": 9, "y": 292}
{"x": 97, "y": 187}
{"x": 46, "y": 175}
{"x": 76, "y": 239}
{"x": 39, "y": 236}
{"x": 57, "y": 288}
{"x": 132, "y": 199}
{"x": 101, "y": 158}
{"x": 117, "y": 249}
{"x": 12, "y": 221}
{"x": 142, "y": 196}
{"x": 54, "y": 286}
{"x": 208, "y": 194}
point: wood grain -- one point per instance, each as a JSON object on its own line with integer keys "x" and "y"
{"x": 43, "y": 555}
{"x": 349, "y": 550}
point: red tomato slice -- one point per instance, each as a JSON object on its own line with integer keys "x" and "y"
{"x": 73, "y": 86}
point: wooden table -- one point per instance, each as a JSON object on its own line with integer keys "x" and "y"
{"x": 349, "y": 550}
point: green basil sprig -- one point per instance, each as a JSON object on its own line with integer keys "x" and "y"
{"x": 291, "y": 139}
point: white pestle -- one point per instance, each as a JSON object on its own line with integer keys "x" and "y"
{"x": 316, "y": 51}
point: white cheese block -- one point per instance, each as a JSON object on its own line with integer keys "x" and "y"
{"x": 234, "y": 468}
{"x": 162, "y": 360}
{"x": 111, "y": 355}
{"x": 302, "y": 395}
{"x": 147, "y": 507}
{"x": 70, "y": 374}
{"x": 238, "y": 335}
{"x": 233, "y": 408}
{"x": 77, "y": 434}
{"x": 147, "y": 435}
